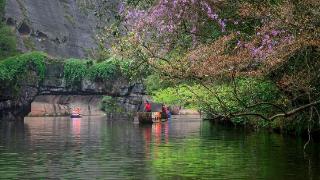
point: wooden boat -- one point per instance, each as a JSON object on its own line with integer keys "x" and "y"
{"x": 150, "y": 117}
{"x": 145, "y": 117}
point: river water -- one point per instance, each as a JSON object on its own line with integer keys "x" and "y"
{"x": 183, "y": 148}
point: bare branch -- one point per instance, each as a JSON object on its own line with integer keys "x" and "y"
{"x": 153, "y": 54}
{"x": 250, "y": 114}
{"x": 235, "y": 91}
{"x": 294, "y": 111}
{"x": 268, "y": 103}
{"x": 215, "y": 94}
{"x": 309, "y": 129}
{"x": 317, "y": 112}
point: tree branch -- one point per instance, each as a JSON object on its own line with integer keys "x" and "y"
{"x": 155, "y": 56}
{"x": 317, "y": 112}
{"x": 215, "y": 94}
{"x": 268, "y": 103}
{"x": 294, "y": 111}
{"x": 235, "y": 91}
{"x": 250, "y": 114}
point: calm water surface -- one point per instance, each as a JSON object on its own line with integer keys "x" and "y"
{"x": 183, "y": 148}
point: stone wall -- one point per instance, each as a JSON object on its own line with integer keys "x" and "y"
{"x": 62, "y": 105}
{"x": 61, "y": 28}
{"x": 90, "y": 105}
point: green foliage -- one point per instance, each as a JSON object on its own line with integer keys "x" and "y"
{"x": 103, "y": 70}
{"x": 75, "y": 70}
{"x": 2, "y": 6}
{"x": 7, "y": 37}
{"x": 249, "y": 91}
{"x": 110, "y": 105}
{"x": 251, "y": 25}
{"x": 13, "y": 67}
{"x": 304, "y": 67}
{"x": 299, "y": 79}
{"x": 15, "y": 70}
{"x": 108, "y": 69}
{"x": 179, "y": 95}
{"x": 155, "y": 83}
{"x": 256, "y": 90}
{"x": 142, "y": 4}
{"x": 247, "y": 27}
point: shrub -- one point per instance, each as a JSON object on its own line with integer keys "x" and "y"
{"x": 74, "y": 71}
{"x": 105, "y": 70}
{"x": 111, "y": 105}
{"x": 15, "y": 70}
{"x": 7, "y": 42}
{"x": 249, "y": 91}
{"x": 13, "y": 67}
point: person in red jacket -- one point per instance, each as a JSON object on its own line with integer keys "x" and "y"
{"x": 147, "y": 106}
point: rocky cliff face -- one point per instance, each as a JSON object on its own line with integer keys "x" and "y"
{"x": 53, "y": 96}
{"x": 62, "y": 105}
{"x": 64, "y": 28}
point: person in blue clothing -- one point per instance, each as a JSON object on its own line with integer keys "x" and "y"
{"x": 168, "y": 113}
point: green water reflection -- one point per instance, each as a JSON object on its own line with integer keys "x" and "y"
{"x": 184, "y": 148}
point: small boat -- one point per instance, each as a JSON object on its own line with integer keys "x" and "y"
{"x": 150, "y": 117}
{"x": 75, "y": 115}
{"x": 145, "y": 117}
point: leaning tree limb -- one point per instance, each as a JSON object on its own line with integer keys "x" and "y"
{"x": 249, "y": 114}
{"x": 270, "y": 104}
{"x": 285, "y": 114}
{"x": 294, "y": 111}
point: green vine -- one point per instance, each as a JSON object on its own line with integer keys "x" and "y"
{"x": 76, "y": 70}
{"x": 105, "y": 70}
{"x": 15, "y": 69}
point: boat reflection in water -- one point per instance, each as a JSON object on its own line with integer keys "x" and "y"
{"x": 155, "y": 134}
{"x": 76, "y": 127}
